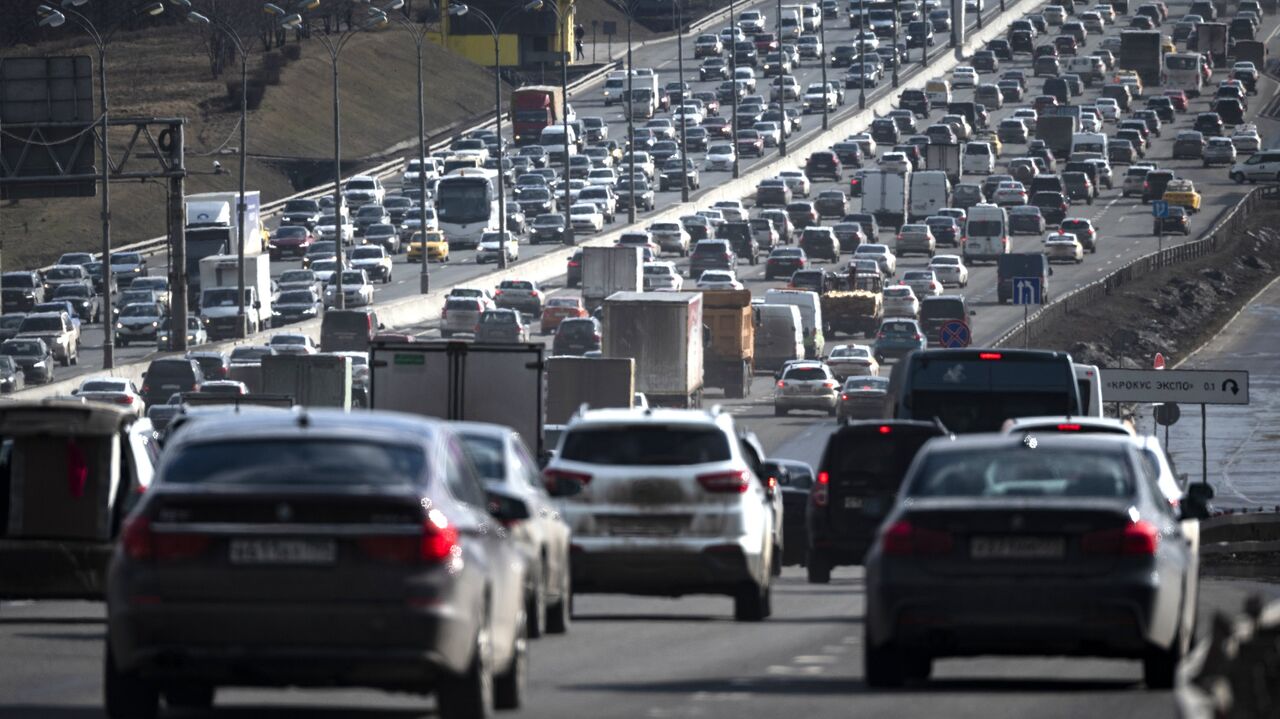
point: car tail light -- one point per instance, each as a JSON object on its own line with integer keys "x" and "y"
{"x": 125, "y": 399}
{"x": 782, "y": 383}
{"x": 735, "y": 482}
{"x": 146, "y": 389}
{"x": 879, "y": 335}
{"x": 904, "y": 539}
{"x": 553, "y": 477}
{"x": 989, "y": 356}
{"x": 1135, "y": 539}
{"x": 1068, "y": 428}
{"x": 844, "y": 396}
{"x": 140, "y": 541}
{"x": 820, "y": 492}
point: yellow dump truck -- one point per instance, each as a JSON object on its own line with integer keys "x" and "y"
{"x": 729, "y": 359}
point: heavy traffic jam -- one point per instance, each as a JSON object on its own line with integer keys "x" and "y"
{"x": 347, "y": 500}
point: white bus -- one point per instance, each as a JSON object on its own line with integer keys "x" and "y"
{"x": 986, "y": 233}
{"x": 467, "y": 205}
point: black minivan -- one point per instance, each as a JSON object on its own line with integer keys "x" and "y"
{"x": 169, "y": 376}
{"x": 858, "y": 479}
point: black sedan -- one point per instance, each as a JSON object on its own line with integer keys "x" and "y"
{"x": 795, "y": 479}
{"x": 33, "y": 358}
{"x": 1031, "y": 544}
{"x": 784, "y": 261}
{"x": 1176, "y": 222}
{"x": 322, "y": 551}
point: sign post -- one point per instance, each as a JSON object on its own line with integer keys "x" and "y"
{"x": 1027, "y": 291}
{"x": 1159, "y": 210}
{"x": 1202, "y": 387}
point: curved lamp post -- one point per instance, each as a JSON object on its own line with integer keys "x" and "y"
{"x": 57, "y": 17}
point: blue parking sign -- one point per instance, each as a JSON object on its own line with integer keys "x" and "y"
{"x": 1159, "y": 208}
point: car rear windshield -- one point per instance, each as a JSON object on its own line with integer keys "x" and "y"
{"x": 871, "y": 460}
{"x": 296, "y": 461}
{"x": 942, "y": 308}
{"x": 645, "y": 444}
{"x": 1017, "y": 472}
{"x": 805, "y": 374}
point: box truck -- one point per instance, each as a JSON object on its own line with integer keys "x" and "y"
{"x": 729, "y": 358}
{"x": 213, "y": 227}
{"x": 606, "y": 270}
{"x": 219, "y": 282}
{"x": 663, "y": 333}
{"x": 885, "y": 194}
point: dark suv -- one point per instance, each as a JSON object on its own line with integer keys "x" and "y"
{"x": 577, "y": 336}
{"x": 861, "y": 470}
{"x": 823, "y": 164}
{"x": 169, "y": 376}
{"x": 711, "y": 255}
{"x": 938, "y": 311}
{"x": 1157, "y": 181}
{"x": 21, "y": 291}
{"x": 915, "y": 101}
{"x": 740, "y": 238}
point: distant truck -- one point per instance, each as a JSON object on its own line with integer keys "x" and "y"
{"x": 663, "y": 333}
{"x": 944, "y": 157}
{"x": 1140, "y": 51}
{"x": 534, "y": 107}
{"x": 501, "y": 384}
{"x": 885, "y": 194}
{"x": 219, "y": 282}
{"x": 213, "y": 226}
{"x": 1250, "y": 51}
{"x": 729, "y": 359}
{"x": 1057, "y": 132}
{"x": 606, "y": 270}
{"x": 1021, "y": 264}
{"x": 1211, "y": 41}
{"x": 854, "y": 305}
{"x": 594, "y": 381}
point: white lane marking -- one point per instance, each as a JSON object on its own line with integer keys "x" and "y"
{"x": 703, "y": 696}
{"x": 790, "y": 671}
{"x": 815, "y": 659}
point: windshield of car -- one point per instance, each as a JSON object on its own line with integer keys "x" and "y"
{"x": 296, "y": 297}
{"x": 645, "y": 444}
{"x": 1018, "y": 472}
{"x": 140, "y": 310}
{"x": 296, "y": 461}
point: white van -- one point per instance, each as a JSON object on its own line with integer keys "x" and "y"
{"x": 1090, "y": 69}
{"x": 1182, "y": 69}
{"x": 811, "y": 16}
{"x": 552, "y": 137}
{"x": 986, "y": 233}
{"x": 615, "y": 86}
{"x": 930, "y": 192}
{"x": 641, "y": 103}
{"x": 1095, "y": 142}
{"x": 938, "y": 92}
{"x": 978, "y": 159}
{"x": 779, "y": 336}
{"x": 792, "y": 20}
{"x": 810, "y": 311}
{"x": 1089, "y": 382}
{"x": 1261, "y": 166}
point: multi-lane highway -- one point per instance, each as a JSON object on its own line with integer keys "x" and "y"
{"x": 636, "y": 657}
{"x": 662, "y": 57}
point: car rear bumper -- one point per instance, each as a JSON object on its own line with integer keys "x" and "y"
{"x": 861, "y": 408}
{"x": 816, "y": 401}
{"x": 953, "y": 616}
{"x": 661, "y": 567}
{"x": 379, "y": 644}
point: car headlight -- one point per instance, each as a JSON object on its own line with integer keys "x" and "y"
{"x": 155, "y": 324}
{"x": 119, "y": 325}
{"x": 39, "y": 364}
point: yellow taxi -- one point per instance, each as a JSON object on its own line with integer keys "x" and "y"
{"x": 437, "y": 247}
{"x": 992, "y": 139}
{"x": 1182, "y": 193}
{"x": 1166, "y": 45}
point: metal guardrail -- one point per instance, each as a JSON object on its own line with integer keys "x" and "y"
{"x": 1089, "y": 295}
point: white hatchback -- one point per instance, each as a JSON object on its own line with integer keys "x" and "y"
{"x": 666, "y": 502}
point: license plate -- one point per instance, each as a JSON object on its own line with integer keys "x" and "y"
{"x": 853, "y": 502}
{"x": 1016, "y": 547}
{"x": 283, "y": 551}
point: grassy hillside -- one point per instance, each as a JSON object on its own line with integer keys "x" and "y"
{"x": 166, "y": 73}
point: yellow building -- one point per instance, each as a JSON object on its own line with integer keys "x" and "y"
{"x": 526, "y": 37}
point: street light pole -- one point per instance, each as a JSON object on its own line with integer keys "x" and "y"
{"x": 563, "y": 19}
{"x": 375, "y": 19}
{"x": 822, "y": 43}
{"x": 495, "y": 29}
{"x": 631, "y": 129}
{"x": 893, "y": 43}
{"x": 782, "y": 86}
{"x": 51, "y": 17}
{"x": 733, "y": 82}
{"x": 419, "y": 34}
{"x": 862, "y": 55}
{"x": 684, "y": 143}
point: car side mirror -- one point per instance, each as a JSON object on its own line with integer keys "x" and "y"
{"x": 558, "y": 486}
{"x": 1050, "y": 271}
{"x": 381, "y": 326}
{"x": 1195, "y": 505}
{"x": 505, "y": 507}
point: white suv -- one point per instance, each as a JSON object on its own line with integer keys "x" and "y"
{"x": 666, "y": 502}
